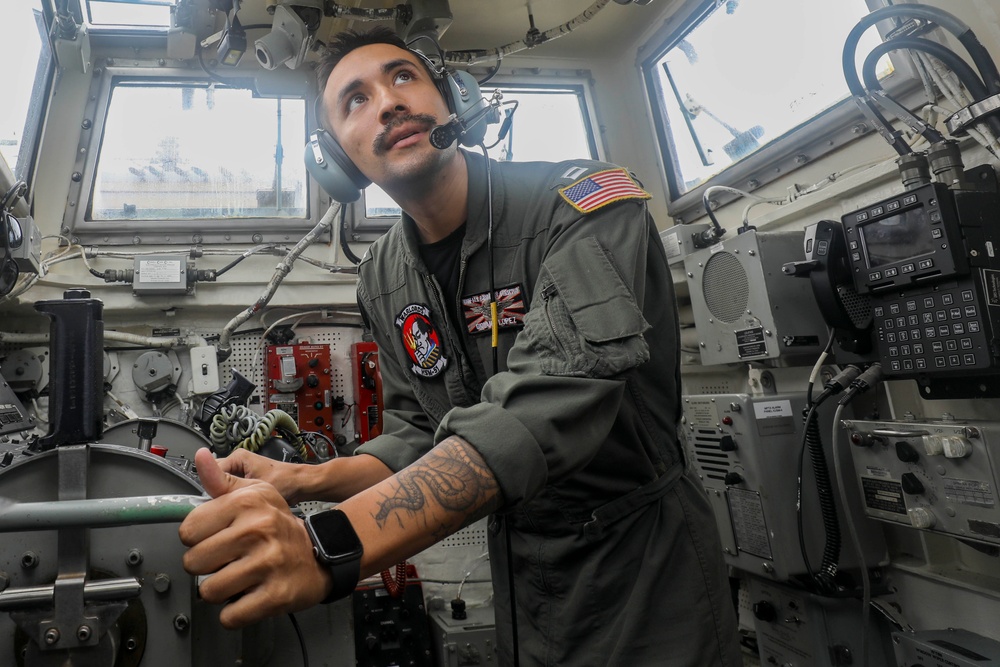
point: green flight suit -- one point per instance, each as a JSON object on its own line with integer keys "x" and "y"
{"x": 616, "y": 557}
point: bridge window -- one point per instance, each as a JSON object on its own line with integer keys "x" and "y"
{"x": 23, "y": 41}
{"x": 744, "y": 91}
{"x": 182, "y": 152}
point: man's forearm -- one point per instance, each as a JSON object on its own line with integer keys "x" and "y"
{"x": 339, "y": 479}
{"x": 445, "y": 490}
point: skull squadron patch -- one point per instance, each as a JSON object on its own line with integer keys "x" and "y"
{"x": 511, "y": 309}
{"x": 421, "y": 341}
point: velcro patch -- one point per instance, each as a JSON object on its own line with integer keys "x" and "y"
{"x": 511, "y": 308}
{"x": 605, "y": 187}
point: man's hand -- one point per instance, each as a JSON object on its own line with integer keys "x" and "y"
{"x": 282, "y": 476}
{"x": 260, "y": 554}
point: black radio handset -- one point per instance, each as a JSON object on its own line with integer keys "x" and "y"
{"x": 828, "y": 269}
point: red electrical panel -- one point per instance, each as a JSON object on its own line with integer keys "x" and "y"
{"x": 367, "y": 391}
{"x": 299, "y": 381}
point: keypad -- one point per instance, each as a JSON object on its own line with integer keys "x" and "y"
{"x": 942, "y": 331}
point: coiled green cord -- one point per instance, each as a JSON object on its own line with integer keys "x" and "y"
{"x": 238, "y": 426}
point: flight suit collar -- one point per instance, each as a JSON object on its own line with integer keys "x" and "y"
{"x": 477, "y": 216}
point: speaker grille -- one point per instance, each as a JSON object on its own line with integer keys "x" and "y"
{"x": 709, "y": 459}
{"x": 725, "y": 286}
{"x": 857, "y": 306}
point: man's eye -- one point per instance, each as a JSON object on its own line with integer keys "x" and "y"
{"x": 355, "y": 101}
{"x": 403, "y": 77}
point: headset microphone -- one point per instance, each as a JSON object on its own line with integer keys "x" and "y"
{"x": 445, "y": 135}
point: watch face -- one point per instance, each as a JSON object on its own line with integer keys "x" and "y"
{"x": 334, "y": 536}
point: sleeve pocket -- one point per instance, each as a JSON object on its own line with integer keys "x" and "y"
{"x": 584, "y": 320}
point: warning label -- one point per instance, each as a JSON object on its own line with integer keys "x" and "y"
{"x": 701, "y": 413}
{"x": 883, "y": 494}
{"x": 750, "y": 342}
{"x": 969, "y": 492}
{"x": 749, "y": 525}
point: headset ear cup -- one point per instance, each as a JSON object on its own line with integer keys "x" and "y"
{"x": 332, "y": 169}
{"x": 462, "y": 94}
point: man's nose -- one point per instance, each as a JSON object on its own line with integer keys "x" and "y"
{"x": 392, "y": 106}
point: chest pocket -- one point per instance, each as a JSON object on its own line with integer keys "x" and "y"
{"x": 584, "y": 320}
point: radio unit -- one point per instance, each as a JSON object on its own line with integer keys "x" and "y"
{"x": 928, "y": 258}
{"x": 906, "y": 240}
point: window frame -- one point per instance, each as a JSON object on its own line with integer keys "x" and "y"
{"x": 170, "y": 232}
{"x": 824, "y": 133}
{"x": 361, "y": 228}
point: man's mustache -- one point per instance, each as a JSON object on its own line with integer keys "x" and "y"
{"x": 381, "y": 143}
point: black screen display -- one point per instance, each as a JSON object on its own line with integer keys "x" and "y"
{"x": 897, "y": 237}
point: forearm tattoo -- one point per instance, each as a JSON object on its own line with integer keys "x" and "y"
{"x": 453, "y": 476}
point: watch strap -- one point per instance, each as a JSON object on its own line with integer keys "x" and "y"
{"x": 345, "y": 579}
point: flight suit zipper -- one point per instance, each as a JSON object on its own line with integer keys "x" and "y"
{"x": 458, "y": 346}
{"x": 548, "y": 292}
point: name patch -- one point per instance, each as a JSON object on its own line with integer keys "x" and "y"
{"x": 511, "y": 309}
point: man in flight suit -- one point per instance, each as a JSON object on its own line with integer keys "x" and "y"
{"x": 568, "y": 439}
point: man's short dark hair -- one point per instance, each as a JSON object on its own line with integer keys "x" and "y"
{"x": 342, "y": 44}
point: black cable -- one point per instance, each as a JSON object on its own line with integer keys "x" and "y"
{"x": 210, "y": 74}
{"x": 980, "y": 56}
{"x": 351, "y": 257}
{"x": 711, "y": 214}
{"x": 506, "y": 125}
{"x": 17, "y": 190}
{"x": 828, "y": 508}
{"x": 951, "y": 60}
{"x": 496, "y": 366}
{"x": 302, "y": 640}
{"x": 962, "y": 69}
{"x": 493, "y": 72}
{"x": 230, "y": 265}
{"x": 798, "y": 498}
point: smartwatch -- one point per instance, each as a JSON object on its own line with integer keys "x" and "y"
{"x": 336, "y": 546}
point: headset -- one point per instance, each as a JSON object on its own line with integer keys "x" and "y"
{"x": 341, "y": 179}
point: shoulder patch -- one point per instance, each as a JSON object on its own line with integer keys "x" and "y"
{"x": 602, "y": 188}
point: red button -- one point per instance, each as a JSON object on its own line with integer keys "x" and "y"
{"x": 158, "y": 450}
{"x": 728, "y": 421}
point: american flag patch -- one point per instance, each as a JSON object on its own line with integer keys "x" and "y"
{"x": 597, "y": 190}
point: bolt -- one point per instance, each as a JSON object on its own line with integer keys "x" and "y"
{"x": 767, "y": 567}
{"x": 87, "y": 124}
{"x": 83, "y": 633}
{"x": 131, "y": 644}
{"x": 161, "y": 584}
{"x": 257, "y": 238}
{"x": 51, "y": 636}
{"x": 29, "y": 560}
{"x": 181, "y": 623}
{"x": 76, "y": 177}
{"x": 753, "y": 183}
{"x": 134, "y": 556}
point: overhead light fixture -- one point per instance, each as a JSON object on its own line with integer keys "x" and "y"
{"x": 233, "y": 44}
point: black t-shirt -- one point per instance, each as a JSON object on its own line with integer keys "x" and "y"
{"x": 443, "y": 259}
